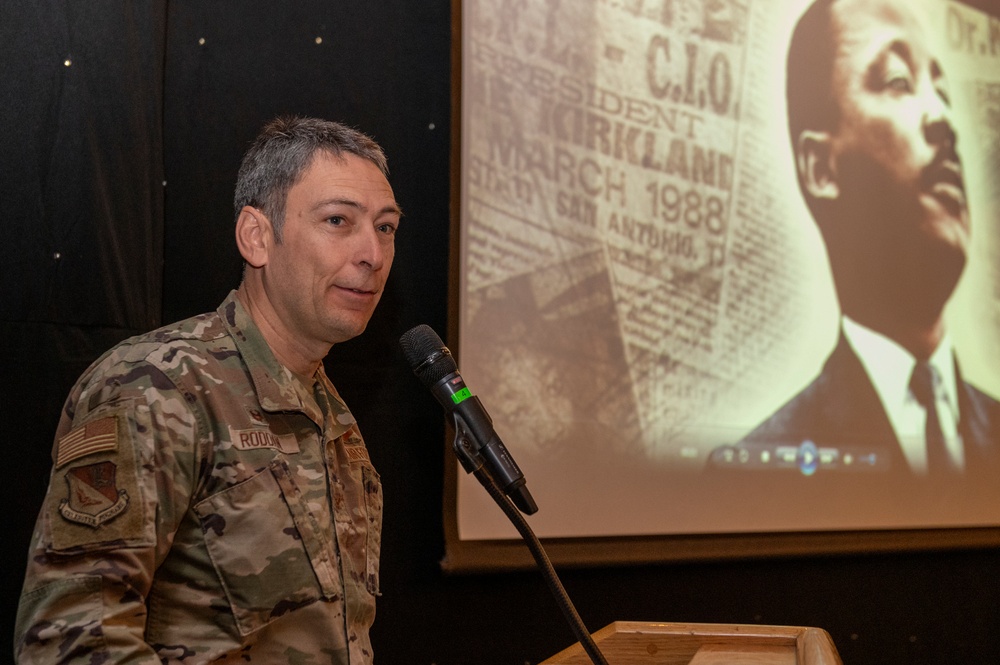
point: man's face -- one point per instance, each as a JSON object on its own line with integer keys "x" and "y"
{"x": 327, "y": 275}
{"x": 893, "y": 150}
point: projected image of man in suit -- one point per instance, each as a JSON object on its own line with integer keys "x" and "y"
{"x": 876, "y": 153}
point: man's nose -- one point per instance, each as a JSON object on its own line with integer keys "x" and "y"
{"x": 938, "y": 126}
{"x": 371, "y": 248}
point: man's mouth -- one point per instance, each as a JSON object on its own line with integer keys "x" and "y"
{"x": 362, "y": 292}
{"x": 943, "y": 180}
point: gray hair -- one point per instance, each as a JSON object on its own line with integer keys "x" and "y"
{"x": 283, "y": 150}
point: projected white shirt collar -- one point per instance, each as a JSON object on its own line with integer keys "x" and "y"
{"x": 889, "y": 367}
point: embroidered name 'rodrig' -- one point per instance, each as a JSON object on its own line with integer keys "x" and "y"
{"x": 256, "y": 439}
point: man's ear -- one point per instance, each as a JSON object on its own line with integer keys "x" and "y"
{"x": 254, "y": 236}
{"x": 816, "y": 165}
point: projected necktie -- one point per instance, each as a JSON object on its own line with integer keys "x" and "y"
{"x": 922, "y": 383}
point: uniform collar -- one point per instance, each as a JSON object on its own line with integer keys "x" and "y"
{"x": 277, "y": 388}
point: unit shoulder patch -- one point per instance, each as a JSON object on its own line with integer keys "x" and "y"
{"x": 97, "y": 495}
{"x": 93, "y": 497}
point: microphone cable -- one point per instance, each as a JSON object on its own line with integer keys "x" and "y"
{"x": 544, "y": 564}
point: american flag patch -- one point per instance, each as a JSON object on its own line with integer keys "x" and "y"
{"x": 95, "y": 437}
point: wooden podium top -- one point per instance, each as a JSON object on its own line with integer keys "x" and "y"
{"x": 650, "y": 643}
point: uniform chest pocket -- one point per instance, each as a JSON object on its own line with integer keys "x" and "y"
{"x": 266, "y": 548}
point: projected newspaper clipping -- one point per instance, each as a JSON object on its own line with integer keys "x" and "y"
{"x": 733, "y": 265}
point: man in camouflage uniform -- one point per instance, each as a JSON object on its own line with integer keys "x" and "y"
{"x": 211, "y": 498}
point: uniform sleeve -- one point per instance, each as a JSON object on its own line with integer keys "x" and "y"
{"x": 123, "y": 472}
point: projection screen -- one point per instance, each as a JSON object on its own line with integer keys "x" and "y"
{"x": 646, "y": 271}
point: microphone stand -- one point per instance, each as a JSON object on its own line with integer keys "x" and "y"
{"x": 469, "y": 456}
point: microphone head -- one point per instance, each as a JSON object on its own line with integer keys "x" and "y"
{"x": 429, "y": 358}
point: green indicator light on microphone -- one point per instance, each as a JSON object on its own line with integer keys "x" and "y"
{"x": 461, "y": 396}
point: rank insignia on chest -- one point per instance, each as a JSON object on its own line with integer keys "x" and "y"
{"x": 256, "y": 417}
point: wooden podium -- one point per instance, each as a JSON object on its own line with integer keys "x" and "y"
{"x": 644, "y": 643}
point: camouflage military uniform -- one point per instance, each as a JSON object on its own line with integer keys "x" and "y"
{"x": 205, "y": 505}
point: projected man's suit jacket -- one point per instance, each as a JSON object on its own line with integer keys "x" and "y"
{"x": 841, "y": 408}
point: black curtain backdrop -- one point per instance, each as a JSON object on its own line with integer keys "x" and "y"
{"x": 121, "y": 128}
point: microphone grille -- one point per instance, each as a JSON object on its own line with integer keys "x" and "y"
{"x": 427, "y": 355}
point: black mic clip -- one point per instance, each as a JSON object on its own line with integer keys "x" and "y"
{"x": 465, "y": 447}
{"x": 470, "y": 454}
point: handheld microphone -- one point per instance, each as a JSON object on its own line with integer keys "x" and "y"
{"x": 433, "y": 364}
